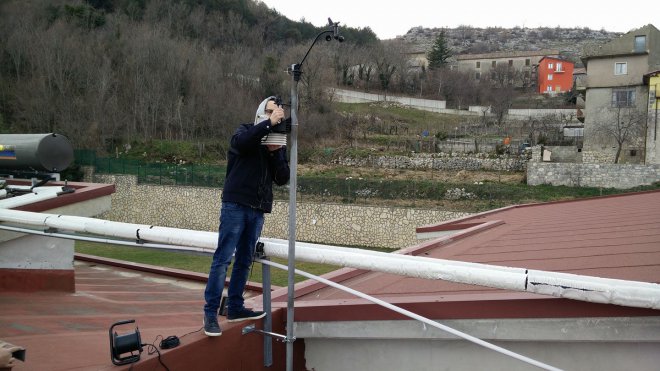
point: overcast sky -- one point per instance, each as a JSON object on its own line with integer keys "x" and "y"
{"x": 389, "y": 21}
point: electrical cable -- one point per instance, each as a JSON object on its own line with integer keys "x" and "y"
{"x": 191, "y": 332}
{"x": 169, "y": 342}
{"x": 173, "y": 341}
{"x": 250, "y": 275}
{"x": 155, "y": 348}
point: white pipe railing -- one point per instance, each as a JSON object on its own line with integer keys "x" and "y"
{"x": 36, "y": 195}
{"x": 565, "y": 285}
{"x": 417, "y": 317}
{"x": 110, "y": 241}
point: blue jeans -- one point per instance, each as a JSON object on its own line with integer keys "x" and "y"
{"x": 240, "y": 228}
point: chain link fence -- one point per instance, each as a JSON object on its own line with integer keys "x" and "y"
{"x": 413, "y": 192}
{"x": 155, "y": 172}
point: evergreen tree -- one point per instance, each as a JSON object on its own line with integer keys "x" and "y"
{"x": 440, "y": 53}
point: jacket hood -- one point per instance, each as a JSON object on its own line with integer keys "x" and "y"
{"x": 261, "y": 110}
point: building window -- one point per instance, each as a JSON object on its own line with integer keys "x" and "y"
{"x": 549, "y": 66}
{"x": 477, "y": 75}
{"x": 623, "y": 98}
{"x": 510, "y": 62}
{"x": 549, "y": 77}
{"x": 621, "y": 68}
{"x": 527, "y": 62}
{"x": 478, "y": 64}
{"x": 493, "y": 64}
{"x": 640, "y": 44}
{"x": 633, "y": 152}
{"x": 559, "y": 66}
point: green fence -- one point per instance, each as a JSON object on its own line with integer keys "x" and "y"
{"x": 155, "y": 172}
{"x": 333, "y": 189}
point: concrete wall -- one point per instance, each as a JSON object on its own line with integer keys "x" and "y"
{"x": 564, "y": 154}
{"x": 566, "y": 343}
{"x": 42, "y": 263}
{"x": 35, "y": 252}
{"x": 601, "y": 71}
{"x": 531, "y": 112}
{"x": 332, "y": 224}
{"x": 352, "y": 96}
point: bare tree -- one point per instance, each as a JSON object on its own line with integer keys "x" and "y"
{"x": 500, "y": 100}
{"x": 385, "y": 70}
{"x": 545, "y": 128}
{"x": 477, "y": 129}
{"x": 344, "y": 74}
{"x": 625, "y": 126}
{"x": 456, "y": 87}
{"x": 465, "y": 32}
{"x": 398, "y": 51}
{"x": 503, "y": 75}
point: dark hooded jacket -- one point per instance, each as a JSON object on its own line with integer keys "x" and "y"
{"x": 252, "y": 169}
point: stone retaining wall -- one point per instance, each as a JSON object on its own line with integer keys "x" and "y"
{"x": 333, "y": 224}
{"x": 592, "y": 175}
{"x": 440, "y": 161}
{"x": 605, "y": 175}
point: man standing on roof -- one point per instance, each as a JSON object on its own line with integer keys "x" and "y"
{"x": 256, "y": 160}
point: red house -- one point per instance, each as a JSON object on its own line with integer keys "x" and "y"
{"x": 555, "y": 75}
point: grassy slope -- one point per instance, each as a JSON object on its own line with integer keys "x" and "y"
{"x": 191, "y": 262}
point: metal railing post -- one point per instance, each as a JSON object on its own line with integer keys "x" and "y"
{"x": 268, "y": 320}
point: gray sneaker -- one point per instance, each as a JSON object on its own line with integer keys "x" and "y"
{"x": 211, "y": 326}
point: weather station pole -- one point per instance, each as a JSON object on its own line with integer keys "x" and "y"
{"x": 296, "y": 71}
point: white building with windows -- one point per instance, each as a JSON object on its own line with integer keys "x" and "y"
{"x": 487, "y": 66}
{"x": 616, "y": 108}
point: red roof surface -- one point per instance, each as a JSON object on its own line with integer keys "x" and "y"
{"x": 69, "y": 331}
{"x": 63, "y": 329}
{"x": 613, "y": 237}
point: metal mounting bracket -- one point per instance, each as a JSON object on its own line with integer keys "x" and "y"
{"x": 252, "y": 328}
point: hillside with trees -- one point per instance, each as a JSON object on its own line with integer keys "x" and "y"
{"x": 105, "y": 73}
{"x": 119, "y": 74}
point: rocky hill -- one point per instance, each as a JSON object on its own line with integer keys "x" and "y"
{"x": 571, "y": 42}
